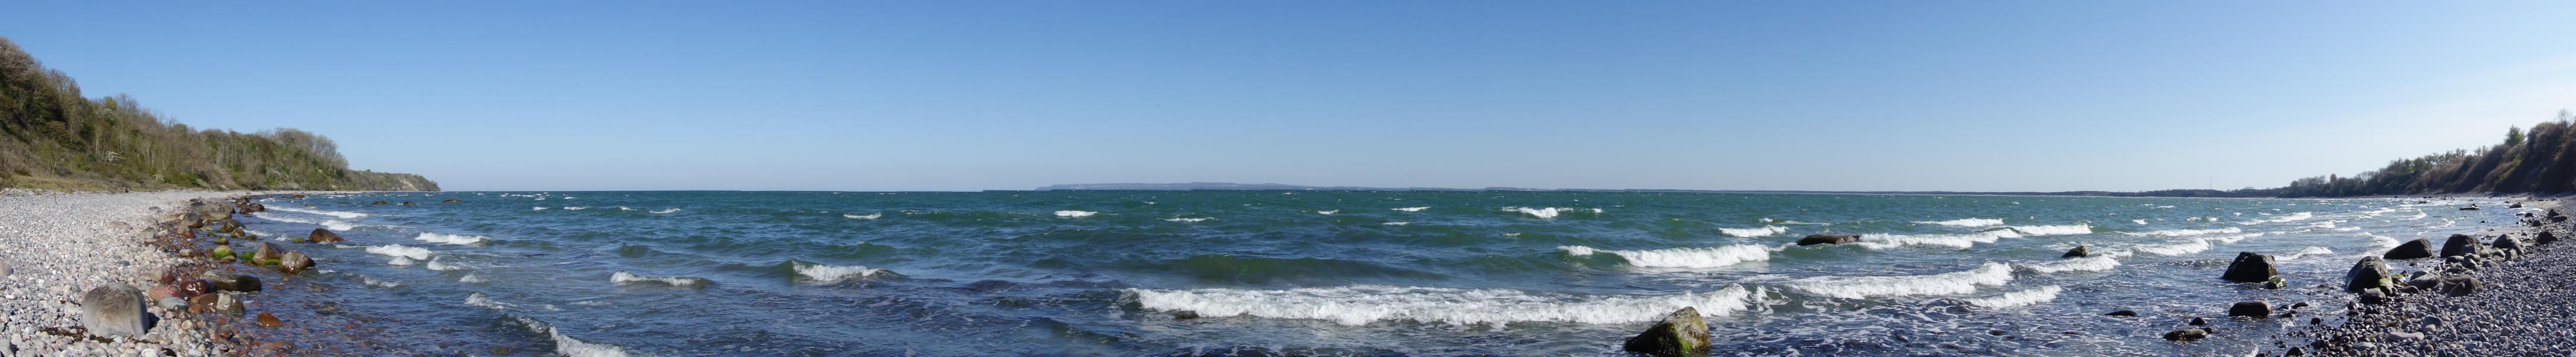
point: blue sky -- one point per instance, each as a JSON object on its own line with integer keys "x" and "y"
{"x": 1971, "y": 96}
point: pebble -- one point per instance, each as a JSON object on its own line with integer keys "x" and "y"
{"x": 2517, "y": 308}
{"x": 83, "y": 247}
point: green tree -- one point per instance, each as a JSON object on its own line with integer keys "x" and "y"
{"x": 2513, "y": 136}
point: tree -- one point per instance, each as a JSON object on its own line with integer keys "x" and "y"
{"x": 2513, "y": 136}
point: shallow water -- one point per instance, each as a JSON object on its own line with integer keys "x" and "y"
{"x": 1322, "y": 272}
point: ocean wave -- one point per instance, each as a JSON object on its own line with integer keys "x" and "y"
{"x": 435, "y": 265}
{"x": 402, "y": 261}
{"x": 2285, "y": 218}
{"x": 2064, "y": 229}
{"x": 667, "y": 211}
{"x": 1951, "y": 283}
{"x": 827, "y": 273}
{"x": 1682, "y": 257}
{"x": 2193, "y": 246}
{"x": 478, "y": 299}
{"x": 572, "y": 347}
{"x": 2139, "y": 221}
{"x": 1967, "y": 222}
{"x": 2186, "y": 232}
{"x": 334, "y": 224}
{"x": 2305, "y": 252}
{"x": 871, "y": 216}
{"x": 378, "y": 283}
{"x": 1328, "y": 212}
{"x": 1754, "y": 232}
{"x": 452, "y": 239}
{"x": 1360, "y": 304}
{"x": 1395, "y": 223}
{"x": 473, "y": 278}
{"x": 1074, "y": 214}
{"x": 342, "y": 215}
{"x": 1889, "y": 241}
{"x": 2093, "y": 263}
{"x": 399, "y": 250}
{"x": 538, "y": 208}
{"x": 625, "y": 278}
{"x": 575, "y": 208}
{"x": 1413, "y": 209}
{"x": 2018, "y": 298}
{"x": 1540, "y": 213}
{"x": 1191, "y": 220}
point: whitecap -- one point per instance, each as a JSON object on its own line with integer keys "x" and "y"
{"x": 1951, "y": 283}
{"x": 1413, "y": 209}
{"x": 666, "y": 211}
{"x": 572, "y": 347}
{"x": 1541, "y": 213}
{"x": 399, "y": 250}
{"x": 436, "y": 265}
{"x": 1754, "y": 232}
{"x": 1074, "y": 214}
{"x": 1360, "y": 304}
{"x": 2054, "y": 230}
{"x": 1191, "y": 220}
{"x": 2139, "y": 221}
{"x": 1395, "y": 223}
{"x": 1888, "y": 241}
{"x": 1682, "y": 257}
{"x": 452, "y": 239}
{"x": 2018, "y": 298}
{"x": 402, "y": 261}
{"x": 473, "y": 278}
{"x": 2092, "y": 263}
{"x": 1967, "y": 222}
{"x": 624, "y": 278}
{"x": 2186, "y": 232}
{"x": 575, "y": 208}
{"x": 2305, "y": 252}
{"x": 342, "y": 215}
{"x": 478, "y": 299}
{"x": 538, "y": 208}
{"x": 1328, "y": 212}
{"x": 378, "y": 283}
{"x": 827, "y": 273}
{"x": 2193, "y": 246}
{"x": 870, "y": 216}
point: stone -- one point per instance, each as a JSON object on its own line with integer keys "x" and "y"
{"x": 229, "y": 281}
{"x": 1682, "y": 333}
{"x": 225, "y": 303}
{"x": 2122, "y": 313}
{"x": 1185, "y": 315}
{"x": 193, "y": 220}
{"x": 2415, "y": 249}
{"x": 2370, "y": 273}
{"x": 113, "y": 310}
{"x": 267, "y": 251}
{"x": 323, "y": 235}
{"x": 2256, "y": 309}
{"x": 171, "y": 303}
{"x": 2186, "y": 335}
{"x": 4, "y": 269}
{"x": 2276, "y": 283}
{"x": 222, "y": 251}
{"x": 194, "y": 287}
{"x": 2199, "y": 321}
{"x": 452, "y": 200}
{"x": 2508, "y": 244}
{"x": 2295, "y": 351}
{"x": 2078, "y": 252}
{"x": 294, "y": 262}
{"x": 377, "y": 203}
{"x": 266, "y": 319}
{"x": 2471, "y": 207}
{"x": 2373, "y": 297}
{"x": 2250, "y": 267}
{"x": 2546, "y": 237}
{"x": 2460, "y": 245}
{"x": 164, "y": 291}
{"x": 408, "y": 203}
{"x": 2461, "y": 285}
{"x": 1829, "y": 238}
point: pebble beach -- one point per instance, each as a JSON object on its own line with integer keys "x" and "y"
{"x": 54, "y": 247}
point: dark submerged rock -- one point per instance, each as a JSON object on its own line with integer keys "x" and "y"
{"x": 2186, "y": 335}
{"x": 2256, "y": 309}
{"x": 2078, "y": 252}
{"x": 452, "y": 200}
{"x": 377, "y": 203}
{"x": 2415, "y": 249}
{"x": 1681, "y": 334}
{"x": 229, "y": 281}
{"x": 1829, "y": 238}
{"x": 323, "y": 235}
{"x": 2250, "y": 267}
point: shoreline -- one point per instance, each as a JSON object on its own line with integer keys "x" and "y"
{"x": 2514, "y": 303}
{"x": 56, "y": 248}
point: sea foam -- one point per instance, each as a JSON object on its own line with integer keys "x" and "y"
{"x": 1413, "y": 209}
{"x": 1968, "y": 222}
{"x": 452, "y": 239}
{"x": 870, "y": 216}
{"x": 1191, "y": 220}
{"x": 1754, "y": 232}
{"x": 341, "y": 215}
{"x": 1360, "y": 304}
{"x": 1074, "y": 214}
{"x": 399, "y": 250}
{"x": 1855, "y": 287}
{"x": 2018, "y": 298}
{"x": 625, "y": 278}
{"x": 667, "y": 211}
{"x": 2093, "y": 263}
{"x": 1682, "y": 257}
{"x": 827, "y": 273}
{"x": 1540, "y": 213}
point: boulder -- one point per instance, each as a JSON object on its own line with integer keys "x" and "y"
{"x": 2460, "y": 285}
{"x": 267, "y": 251}
{"x": 299, "y": 195}
{"x": 2256, "y": 309}
{"x": 2122, "y": 313}
{"x": 193, "y": 220}
{"x": 2508, "y": 243}
{"x": 225, "y": 303}
{"x": 408, "y": 203}
{"x": 2250, "y": 267}
{"x": 1682, "y": 333}
{"x": 222, "y": 252}
{"x": 230, "y": 281}
{"x": 2415, "y": 249}
{"x": 2471, "y": 207}
{"x": 2078, "y": 252}
{"x": 323, "y": 235}
{"x": 2546, "y": 237}
{"x": 1829, "y": 238}
{"x": 2460, "y": 245}
{"x": 452, "y": 200}
{"x": 171, "y": 303}
{"x": 294, "y": 262}
{"x": 194, "y": 287}
{"x": 2199, "y": 321}
{"x": 2516, "y": 205}
{"x": 113, "y": 310}
{"x": 268, "y": 320}
{"x": 377, "y": 203}
{"x": 2370, "y": 273}
{"x": 2186, "y": 335}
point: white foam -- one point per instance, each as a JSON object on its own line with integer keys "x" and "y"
{"x": 2287, "y": 218}
{"x": 1951, "y": 283}
{"x": 576, "y": 208}
{"x": 1541, "y": 213}
{"x": 827, "y": 273}
{"x": 399, "y": 250}
{"x": 1754, "y": 232}
{"x": 2018, "y": 298}
{"x": 2193, "y": 246}
{"x": 2305, "y": 252}
{"x": 1328, "y": 212}
{"x": 572, "y": 347}
{"x": 624, "y": 278}
{"x": 342, "y": 215}
{"x": 1191, "y": 220}
{"x": 2186, "y": 232}
{"x": 2139, "y": 221}
{"x": 2100, "y": 262}
{"x": 538, "y": 208}
{"x": 2383, "y": 241}
{"x": 1074, "y": 214}
{"x": 1413, "y": 209}
{"x": 436, "y": 265}
{"x": 478, "y": 299}
{"x": 1360, "y": 304}
{"x": 871, "y": 216}
{"x": 1682, "y": 257}
{"x": 2054, "y": 230}
{"x": 473, "y": 278}
{"x": 334, "y": 224}
{"x": 402, "y": 261}
{"x": 452, "y": 239}
{"x": 666, "y": 211}
{"x": 1395, "y": 223}
{"x": 378, "y": 283}
{"x": 1968, "y": 222}
{"x": 1888, "y": 241}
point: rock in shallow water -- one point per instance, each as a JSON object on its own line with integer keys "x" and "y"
{"x": 1682, "y": 333}
{"x": 1829, "y": 238}
{"x": 2250, "y": 267}
{"x": 294, "y": 262}
{"x": 2414, "y": 249}
{"x": 229, "y": 281}
{"x": 2078, "y": 252}
{"x": 2256, "y": 309}
{"x": 113, "y": 310}
{"x": 323, "y": 235}
{"x": 2186, "y": 335}
{"x": 2122, "y": 313}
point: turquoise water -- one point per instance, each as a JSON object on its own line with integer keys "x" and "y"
{"x": 1325, "y": 272}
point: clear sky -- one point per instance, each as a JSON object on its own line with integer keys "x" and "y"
{"x": 940, "y": 95}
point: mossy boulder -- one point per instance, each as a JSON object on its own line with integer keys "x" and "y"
{"x": 1682, "y": 333}
{"x": 2369, "y": 274}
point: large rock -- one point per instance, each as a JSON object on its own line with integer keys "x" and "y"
{"x": 1681, "y": 334}
{"x": 377, "y": 203}
{"x": 267, "y": 251}
{"x": 323, "y": 235}
{"x": 2460, "y": 245}
{"x": 113, "y": 310}
{"x": 2186, "y": 335}
{"x": 1829, "y": 238}
{"x": 2370, "y": 273}
{"x": 2508, "y": 243}
{"x": 2255, "y": 309}
{"x": 230, "y": 281}
{"x": 2250, "y": 267}
{"x": 2078, "y": 252}
{"x": 2546, "y": 237}
{"x": 294, "y": 262}
{"x": 193, "y": 220}
{"x": 2461, "y": 285}
{"x": 2414, "y": 249}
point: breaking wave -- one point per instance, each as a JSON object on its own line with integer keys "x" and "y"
{"x": 1074, "y": 214}
{"x": 1754, "y": 232}
{"x": 341, "y": 215}
{"x": 1682, "y": 257}
{"x": 2093, "y": 263}
{"x": 1968, "y": 222}
{"x": 452, "y": 239}
{"x": 1951, "y": 283}
{"x": 871, "y": 216}
{"x": 625, "y": 278}
{"x": 1360, "y": 304}
{"x": 1413, "y": 209}
{"x": 2018, "y": 298}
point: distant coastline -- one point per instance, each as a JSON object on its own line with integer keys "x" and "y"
{"x": 1229, "y": 186}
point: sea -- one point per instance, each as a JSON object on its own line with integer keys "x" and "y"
{"x": 1297, "y": 273}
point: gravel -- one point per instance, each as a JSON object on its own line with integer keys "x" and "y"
{"x": 54, "y": 246}
{"x": 2521, "y": 308}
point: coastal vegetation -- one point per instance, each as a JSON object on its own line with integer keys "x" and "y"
{"x": 53, "y": 137}
{"x": 2541, "y": 159}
